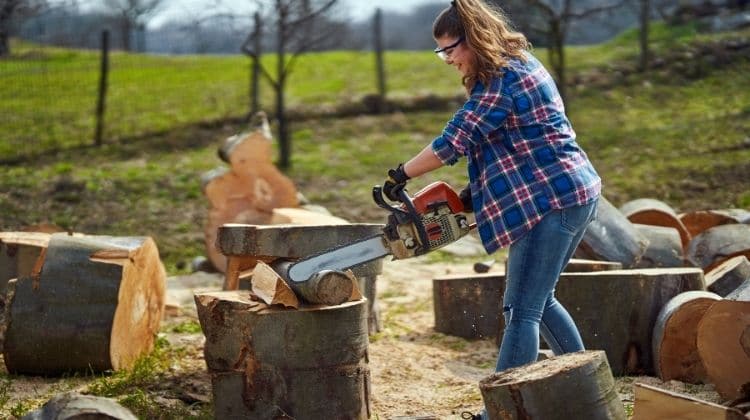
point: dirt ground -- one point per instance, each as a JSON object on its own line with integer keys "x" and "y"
{"x": 415, "y": 371}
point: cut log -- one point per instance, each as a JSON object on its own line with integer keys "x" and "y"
{"x": 717, "y": 244}
{"x": 469, "y": 306}
{"x": 612, "y": 237}
{"x": 251, "y": 188}
{"x": 327, "y": 287}
{"x": 19, "y": 254}
{"x": 722, "y": 337}
{"x": 269, "y": 363}
{"x": 742, "y": 292}
{"x": 578, "y": 265}
{"x": 572, "y": 386}
{"x": 648, "y": 211}
{"x": 73, "y": 406}
{"x": 622, "y": 326}
{"x": 728, "y": 275}
{"x": 302, "y": 216}
{"x": 664, "y": 247}
{"x": 652, "y": 403}
{"x": 100, "y": 298}
{"x": 675, "y": 346}
{"x": 271, "y": 288}
{"x": 698, "y": 221}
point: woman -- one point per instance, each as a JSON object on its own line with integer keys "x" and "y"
{"x": 531, "y": 187}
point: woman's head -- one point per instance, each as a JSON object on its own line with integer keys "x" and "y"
{"x": 484, "y": 40}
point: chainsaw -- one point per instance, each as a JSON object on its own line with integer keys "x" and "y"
{"x": 415, "y": 226}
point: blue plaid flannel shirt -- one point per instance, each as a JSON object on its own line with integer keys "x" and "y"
{"x": 523, "y": 159}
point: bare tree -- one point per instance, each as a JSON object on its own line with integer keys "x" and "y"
{"x": 10, "y": 12}
{"x": 132, "y": 15}
{"x": 298, "y": 26}
{"x": 553, "y": 18}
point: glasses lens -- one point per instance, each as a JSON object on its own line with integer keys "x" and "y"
{"x": 442, "y": 55}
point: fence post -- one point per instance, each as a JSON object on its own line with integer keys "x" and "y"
{"x": 103, "y": 77}
{"x": 378, "y": 23}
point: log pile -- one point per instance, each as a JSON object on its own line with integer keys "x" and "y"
{"x": 101, "y": 298}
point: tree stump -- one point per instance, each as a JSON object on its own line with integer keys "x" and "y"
{"x": 717, "y": 244}
{"x": 469, "y": 306}
{"x": 266, "y": 362}
{"x": 652, "y": 403}
{"x": 664, "y": 247}
{"x": 723, "y": 337}
{"x": 648, "y": 211}
{"x": 72, "y": 406}
{"x": 698, "y": 221}
{"x": 612, "y": 237}
{"x": 728, "y": 276}
{"x": 19, "y": 254}
{"x": 100, "y": 298}
{"x": 572, "y": 386}
{"x": 675, "y": 346}
{"x": 249, "y": 190}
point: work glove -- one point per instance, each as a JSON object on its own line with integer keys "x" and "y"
{"x": 465, "y": 196}
{"x": 395, "y": 182}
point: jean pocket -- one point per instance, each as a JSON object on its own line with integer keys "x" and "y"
{"x": 573, "y": 219}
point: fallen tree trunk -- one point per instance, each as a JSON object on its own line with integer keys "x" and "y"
{"x": 612, "y": 237}
{"x": 648, "y": 211}
{"x": 675, "y": 346}
{"x": 572, "y": 386}
{"x": 652, "y": 403}
{"x": 100, "y": 298}
{"x": 315, "y": 368}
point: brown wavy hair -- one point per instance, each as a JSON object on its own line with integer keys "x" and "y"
{"x": 487, "y": 32}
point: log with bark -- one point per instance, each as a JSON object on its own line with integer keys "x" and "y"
{"x": 614, "y": 310}
{"x": 317, "y": 368}
{"x": 698, "y": 221}
{"x": 572, "y": 386}
{"x": 718, "y": 244}
{"x": 20, "y": 254}
{"x": 74, "y": 406}
{"x": 290, "y": 242}
{"x": 649, "y": 211}
{"x": 728, "y": 276}
{"x": 249, "y": 190}
{"x": 664, "y": 247}
{"x": 652, "y": 403}
{"x": 580, "y": 265}
{"x": 612, "y": 237}
{"x": 724, "y": 346}
{"x": 100, "y": 298}
{"x": 675, "y": 346}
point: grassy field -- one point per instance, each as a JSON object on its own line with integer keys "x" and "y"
{"x": 680, "y": 140}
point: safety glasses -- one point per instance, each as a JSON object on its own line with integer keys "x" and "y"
{"x": 446, "y": 51}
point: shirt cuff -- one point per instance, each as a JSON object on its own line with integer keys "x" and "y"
{"x": 445, "y": 151}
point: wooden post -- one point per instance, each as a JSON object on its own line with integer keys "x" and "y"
{"x": 572, "y": 386}
{"x": 266, "y": 362}
{"x": 103, "y": 82}
{"x": 379, "y": 64}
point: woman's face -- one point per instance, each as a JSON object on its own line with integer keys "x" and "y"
{"x": 457, "y": 53}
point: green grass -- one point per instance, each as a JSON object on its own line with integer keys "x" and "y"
{"x": 676, "y": 139}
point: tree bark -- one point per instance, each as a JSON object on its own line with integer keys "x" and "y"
{"x": 469, "y": 306}
{"x": 258, "y": 372}
{"x": 664, "y": 247}
{"x": 648, "y": 211}
{"x": 612, "y": 237}
{"x": 675, "y": 347}
{"x": 100, "y": 298}
{"x": 728, "y": 276}
{"x": 717, "y": 244}
{"x": 327, "y": 287}
{"x": 20, "y": 253}
{"x": 576, "y": 385}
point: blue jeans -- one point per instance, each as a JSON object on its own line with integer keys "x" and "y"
{"x": 529, "y": 305}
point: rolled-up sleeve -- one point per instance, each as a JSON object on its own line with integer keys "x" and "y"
{"x": 485, "y": 111}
